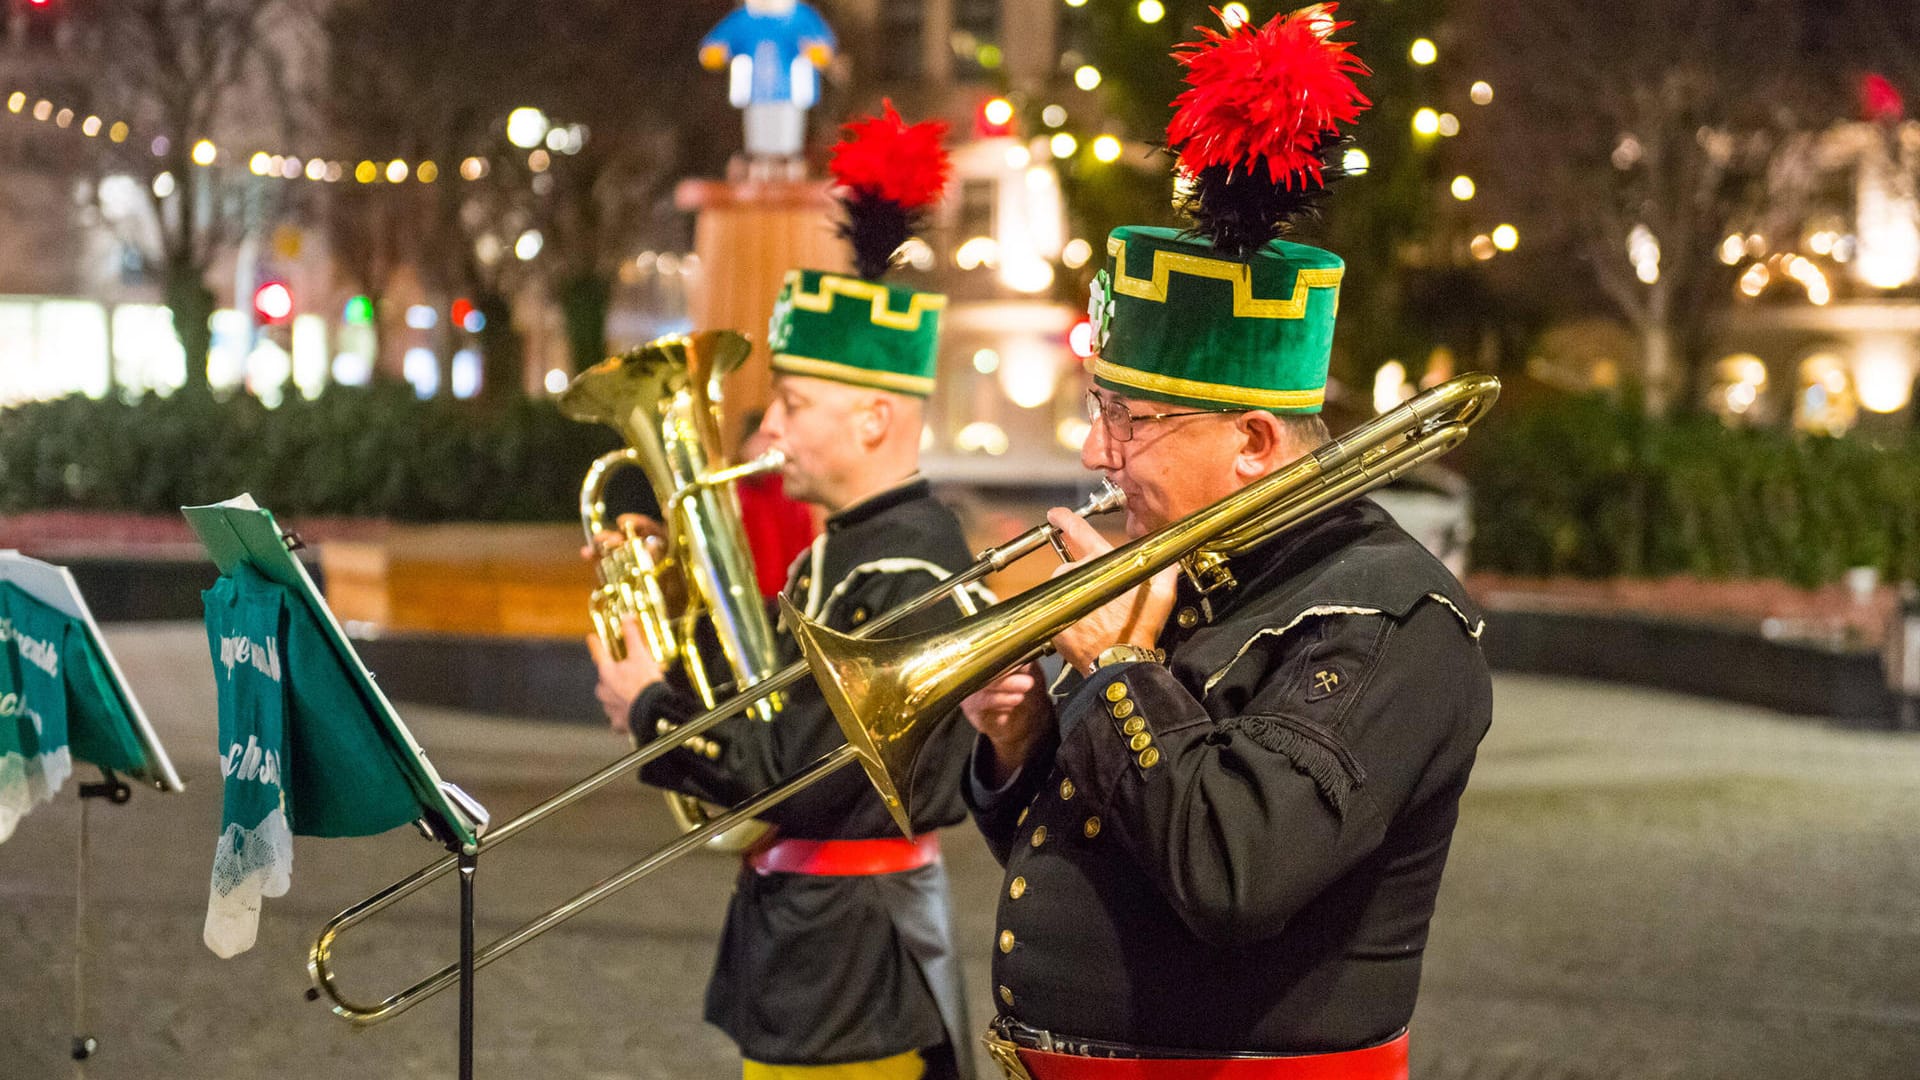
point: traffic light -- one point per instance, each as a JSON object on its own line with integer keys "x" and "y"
{"x": 994, "y": 118}
{"x": 273, "y": 302}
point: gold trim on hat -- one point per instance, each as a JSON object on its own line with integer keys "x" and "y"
{"x": 1239, "y": 275}
{"x": 1155, "y": 383}
{"x": 849, "y": 373}
{"x": 832, "y": 285}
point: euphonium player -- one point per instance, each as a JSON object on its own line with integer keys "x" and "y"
{"x": 1224, "y": 829}
{"x": 837, "y": 958}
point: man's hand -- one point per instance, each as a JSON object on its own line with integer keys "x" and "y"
{"x": 1010, "y": 712}
{"x": 1132, "y": 618}
{"x": 649, "y": 530}
{"x": 621, "y": 681}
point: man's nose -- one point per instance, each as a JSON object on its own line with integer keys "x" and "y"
{"x": 1099, "y": 451}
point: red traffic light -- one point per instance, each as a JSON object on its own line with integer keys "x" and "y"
{"x": 994, "y": 118}
{"x": 273, "y": 302}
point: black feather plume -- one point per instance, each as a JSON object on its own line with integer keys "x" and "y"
{"x": 876, "y": 227}
{"x": 1242, "y": 210}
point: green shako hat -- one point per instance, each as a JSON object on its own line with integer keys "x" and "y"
{"x": 853, "y": 328}
{"x": 1225, "y": 314}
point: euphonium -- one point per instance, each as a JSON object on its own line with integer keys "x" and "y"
{"x": 663, "y": 398}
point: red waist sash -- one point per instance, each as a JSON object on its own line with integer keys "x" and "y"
{"x": 846, "y": 858}
{"x": 1388, "y": 1061}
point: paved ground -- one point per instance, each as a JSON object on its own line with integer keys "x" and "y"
{"x": 1642, "y": 886}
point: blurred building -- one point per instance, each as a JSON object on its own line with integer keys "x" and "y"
{"x": 81, "y": 301}
{"x": 1007, "y": 76}
{"x": 85, "y": 176}
{"x": 1825, "y": 330}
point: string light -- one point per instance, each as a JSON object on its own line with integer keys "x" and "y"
{"x": 263, "y": 163}
{"x": 1086, "y": 77}
{"x": 1424, "y": 52}
{"x": 1106, "y": 149}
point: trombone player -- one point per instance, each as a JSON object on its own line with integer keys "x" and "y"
{"x": 1224, "y": 828}
{"x": 836, "y": 962}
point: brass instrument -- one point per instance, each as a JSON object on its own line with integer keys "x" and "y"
{"x": 891, "y": 695}
{"x": 320, "y": 958}
{"x": 663, "y": 399}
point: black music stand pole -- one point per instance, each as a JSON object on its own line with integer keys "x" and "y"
{"x": 116, "y": 791}
{"x": 469, "y": 862}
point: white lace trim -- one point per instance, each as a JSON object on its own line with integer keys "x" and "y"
{"x": 1474, "y": 629}
{"x": 25, "y": 782}
{"x": 896, "y": 566}
{"x": 247, "y": 864}
{"x": 1270, "y": 631}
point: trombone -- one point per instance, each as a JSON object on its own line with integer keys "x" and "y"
{"x": 320, "y": 966}
{"x": 891, "y": 695}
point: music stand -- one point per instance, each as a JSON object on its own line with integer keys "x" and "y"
{"x": 239, "y": 532}
{"x": 110, "y": 731}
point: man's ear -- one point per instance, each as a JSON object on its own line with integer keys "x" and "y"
{"x": 1263, "y": 444}
{"x": 875, "y": 420}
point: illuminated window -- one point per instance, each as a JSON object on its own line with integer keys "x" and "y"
{"x": 147, "y": 355}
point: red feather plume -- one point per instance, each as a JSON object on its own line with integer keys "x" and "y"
{"x": 886, "y": 157}
{"x": 1271, "y": 94}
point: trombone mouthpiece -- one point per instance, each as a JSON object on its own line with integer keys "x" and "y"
{"x": 1104, "y": 501}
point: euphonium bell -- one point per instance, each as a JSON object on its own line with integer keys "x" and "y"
{"x": 663, "y": 398}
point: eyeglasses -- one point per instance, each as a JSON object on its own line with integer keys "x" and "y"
{"x": 1120, "y": 422}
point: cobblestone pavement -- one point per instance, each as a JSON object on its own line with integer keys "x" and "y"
{"x": 1642, "y": 886}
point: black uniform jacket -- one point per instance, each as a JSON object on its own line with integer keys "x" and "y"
{"x": 1238, "y": 851}
{"x": 815, "y": 969}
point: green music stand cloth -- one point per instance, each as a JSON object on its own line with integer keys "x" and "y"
{"x": 308, "y": 745}
{"x": 35, "y": 758}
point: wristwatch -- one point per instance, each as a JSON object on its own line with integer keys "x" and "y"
{"x": 1126, "y": 654}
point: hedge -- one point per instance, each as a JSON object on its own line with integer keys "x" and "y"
{"x": 1590, "y": 488}
{"x": 368, "y": 452}
{"x": 1573, "y": 486}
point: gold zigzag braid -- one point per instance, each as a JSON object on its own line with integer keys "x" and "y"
{"x": 850, "y": 373}
{"x": 1245, "y": 397}
{"x": 875, "y": 294}
{"x": 1239, "y": 275}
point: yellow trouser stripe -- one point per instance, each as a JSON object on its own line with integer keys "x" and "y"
{"x": 907, "y": 1066}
